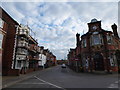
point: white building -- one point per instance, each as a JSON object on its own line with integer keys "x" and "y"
{"x": 42, "y": 57}
{"x": 21, "y": 52}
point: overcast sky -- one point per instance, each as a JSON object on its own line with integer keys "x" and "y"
{"x": 56, "y": 23}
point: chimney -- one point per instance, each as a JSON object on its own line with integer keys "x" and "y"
{"x": 77, "y": 39}
{"x": 114, "y": 28}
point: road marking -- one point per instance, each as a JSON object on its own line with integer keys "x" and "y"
{"x": 31, "y": 83}
{"x": 116, "y": 82}
{"x": 49, "y": 83}
{"x": 114, "y": 85}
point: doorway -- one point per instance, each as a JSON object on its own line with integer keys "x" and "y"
{"x": 98, "y": 62}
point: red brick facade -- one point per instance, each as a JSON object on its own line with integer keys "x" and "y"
{"x": 9, "y": 30}
{"x": 19, "y": 51}
{"x": 96, "y": 49}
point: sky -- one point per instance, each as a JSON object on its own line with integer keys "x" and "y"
{"x": 55, "y": 24}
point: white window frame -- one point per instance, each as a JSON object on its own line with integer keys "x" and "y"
{"x": 1, "y": 40}
{"x": 1, "y": 23}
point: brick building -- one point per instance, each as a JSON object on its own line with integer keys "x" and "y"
{"x": 7, "y": 41}
{"x": 60, "y": 62}
{"x": 96, "y": 50}
{"x": 19, "y": 51}
{"x": 50, "y": 58}
{"x": 26, "y": 50}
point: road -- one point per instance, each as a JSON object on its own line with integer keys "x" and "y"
{"x": 56, "y": 77}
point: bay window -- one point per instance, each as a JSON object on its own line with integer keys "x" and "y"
{"x": 96, "y": 39}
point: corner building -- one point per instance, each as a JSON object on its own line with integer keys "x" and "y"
{"x": 97, "y": 48}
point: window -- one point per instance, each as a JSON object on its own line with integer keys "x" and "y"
{"x": 1, "y": 38}
{"x": 1, "y": 23}
{"x": 84, "y": 43}
{"x": 96, "y": 39}
{"x": 111, "y": 58}
{"x": 18, "y": 64}
{"x": 109, "y": 39}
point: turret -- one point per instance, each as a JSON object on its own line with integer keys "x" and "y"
{"x": 77, "y": 39}
{"x": 114, "y": 28}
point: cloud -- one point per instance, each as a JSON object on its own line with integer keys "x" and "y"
{"x": 56, "y": 23}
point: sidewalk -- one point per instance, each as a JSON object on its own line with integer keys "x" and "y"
{"x": 10, "y": 80}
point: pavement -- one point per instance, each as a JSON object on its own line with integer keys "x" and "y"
{"x": 11, "y": 80}
{"x": 55, "y": 77}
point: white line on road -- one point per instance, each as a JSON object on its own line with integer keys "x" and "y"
{"x": 31, "y": 83}
{"x": 114, "y": 85}
{"x": 116, "y": 82}
{"x": 49, "y": 83}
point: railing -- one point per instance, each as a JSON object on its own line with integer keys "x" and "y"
{"x": 34, "y": 48}
{"x": 33, "y": 58}
{"x": 23, "y": 32}
{"x": 22, "y": 45}
{"x": 18, "y": 57}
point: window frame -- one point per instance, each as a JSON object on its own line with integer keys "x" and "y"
{"x": 1, "y": 40}
{"x": 1, "y": 23}
{"x": 93, "y": 41}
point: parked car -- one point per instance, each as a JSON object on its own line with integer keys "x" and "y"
{"x": 63, "y": 65}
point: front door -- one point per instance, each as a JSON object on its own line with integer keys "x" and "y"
{"x": 98, "y": 62}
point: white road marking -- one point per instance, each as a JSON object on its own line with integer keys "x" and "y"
{"x": 49, "y": 83}
{"x": 114, "y": 85}
{"x": 116, "y": 82}
{"x": 31, "y": 83}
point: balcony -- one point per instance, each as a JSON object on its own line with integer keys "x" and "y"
{"x": 22, "y": 45}
{"x": 21, "y": 57}
{"x": 33, "y": 48}
{"x": 33, "y": 58}
{"x": 21, "y": 51}
{"x": 38, "y": 49}
{"x": 23, "y": 32}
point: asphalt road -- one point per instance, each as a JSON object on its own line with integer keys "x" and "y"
{"x": 56, "y": 77}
